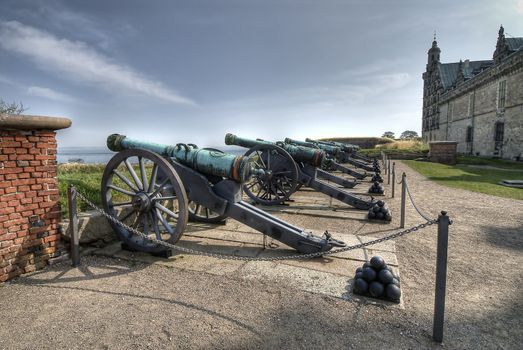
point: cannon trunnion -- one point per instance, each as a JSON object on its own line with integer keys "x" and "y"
{"x": 156, "y": 188}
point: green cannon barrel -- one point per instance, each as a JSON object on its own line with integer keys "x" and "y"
{"x": 344, "y": 146}
{"x": 331, "y": 150}
{"x": 237, "y": 168}
{"x": 305, "y": 155}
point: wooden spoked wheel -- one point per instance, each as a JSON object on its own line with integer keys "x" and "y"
{"x": 275, "y": 177}
{"x": 135, "y": 194}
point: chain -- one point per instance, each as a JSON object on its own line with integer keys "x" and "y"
{"x": 245, "y": 258}
{"x": 423, "y": 215}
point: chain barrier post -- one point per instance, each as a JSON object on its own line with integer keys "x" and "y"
{"x": 388, "y": 172}
{"x": 385, "y": 163}
{"x": 73, "y": 226}
{"x": 393, "y": 178}
{"x": 441, "y": 276}
{"x": 403, "y": 198}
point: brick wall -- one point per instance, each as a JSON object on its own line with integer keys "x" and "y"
{"x": 443, "y": 152}
{"x": 29, "y": 208}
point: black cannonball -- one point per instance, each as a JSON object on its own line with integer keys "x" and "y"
{"x": 384, "y": 210}
{"x": 388, "y": 216}
{"x": 392, "y": 291}
{"x": 377, "y": 262}
{"x": 376, "y": 184}
{"x": 381, "y": 203}
{"x": 380, "y": 215}
{"x": 359, "y": 269}
{"x": 359, "y": 274}
{"x": 387, "y": 267}
{"x": 376, "y": 208}
{"x": 396, "y": 282}
{"x": 385, "y": 277}
{"x": 372, "y": 214}
{"x": 361, "y": 286}
{"x": 376, "y": 289}
{"x": 366, "y": 264}
{"x": 369, "y": 274}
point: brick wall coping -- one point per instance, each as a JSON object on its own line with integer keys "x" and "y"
{"x": 33, "y": 122}
{"x": 443, "y": 142}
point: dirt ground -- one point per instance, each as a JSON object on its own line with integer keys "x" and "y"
{"x": 115, "y": 304}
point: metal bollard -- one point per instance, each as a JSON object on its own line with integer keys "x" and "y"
{"x": 403, "y": 198}
{"x": 73, "y": 226}
{"x": 385, "y": 165}
{"x": 388, "y": 172}
{"x": 393, "y": 178}
{"x": 441, "y": 276}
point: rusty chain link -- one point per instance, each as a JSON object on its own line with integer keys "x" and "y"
{"x": 245, "y": 258}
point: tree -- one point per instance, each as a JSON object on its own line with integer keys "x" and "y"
{"x": 388, "y": 134}
{"x": 11, "y": 108}
{"x": 408, "y": 135}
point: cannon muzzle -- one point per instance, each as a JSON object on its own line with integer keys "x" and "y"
{"x": 209, "y": 162}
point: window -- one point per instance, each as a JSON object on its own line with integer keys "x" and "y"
{"x": 471, "y": 105}
{"x": 470, "y": 134}
{"x": 502, "y": 89}
{"x": 499, "y": 132}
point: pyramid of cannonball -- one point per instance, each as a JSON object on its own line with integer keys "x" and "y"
{"x": 380, "y": 211}
{"x": 377, "y": 279}
{"x": 376, "y": 188}
{"x": 377, "y": 177}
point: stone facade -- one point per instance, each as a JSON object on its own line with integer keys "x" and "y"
{"x": 29, "y": 208}
{"x": 478, "y": 104}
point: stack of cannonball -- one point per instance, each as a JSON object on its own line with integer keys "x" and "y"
{"x": 376, "y": 188}
{"x": 376, "y": 166}
{"x": 376, "y": 279}
{"x": 377, "y": 177}
{"x": 380, "y": 211}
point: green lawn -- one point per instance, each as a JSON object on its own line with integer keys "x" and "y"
{"x": 471, "y": 174}
{"x": 87, "y": 178}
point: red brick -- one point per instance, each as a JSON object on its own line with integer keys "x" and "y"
{"x": 14, "y": 216}
{"x": 24, "y": 188}
{"x": 11, "y": 176}
{"x": 23, "y": 182}
{"x": 5, "y": 184}
{"x": 9, "y": 150}
{"x": 5, "y": 144}
{"x": 35, "y": 163}
{"x": 13, "y": 203}
{"x": 26, "y": 156}
{"x": 6, "y": 237}
{"x": 24, "y": 176}
{"x": 10, "y": 190}
{"x": 7, "y": 210}
{"x": 13, "y": 171}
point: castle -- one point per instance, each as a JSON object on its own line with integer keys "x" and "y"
{"x": 478, "y": 104}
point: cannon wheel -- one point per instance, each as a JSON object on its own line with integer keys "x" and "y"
{"x": 200, "y": 213}
{"x": 156, "y": 207}
{"x": 279, "y": 177}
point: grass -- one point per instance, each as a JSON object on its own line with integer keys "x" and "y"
{"x": 467, "y": 176}
{"x": 87, "y": 178}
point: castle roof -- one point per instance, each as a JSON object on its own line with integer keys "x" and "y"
{"x": 514, "y": 44}
{"x": 449, "y": 71}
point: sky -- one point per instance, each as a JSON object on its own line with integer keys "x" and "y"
{"x": 190, "y": 71}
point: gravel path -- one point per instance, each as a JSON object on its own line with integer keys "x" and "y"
{"x": 112, "y": 304}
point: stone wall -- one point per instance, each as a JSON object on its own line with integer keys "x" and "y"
{"x": 29, "y": 208}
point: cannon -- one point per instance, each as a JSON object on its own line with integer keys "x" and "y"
{"x": 325, "y": 175}
{"x": 333, "y": 155}
{"x": 158, "y": 187}
{"x": 343, "y": 156}
{"x": 350, "y": 149}
{"x": 287, "y": 167}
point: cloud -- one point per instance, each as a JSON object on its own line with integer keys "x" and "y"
{"x": 49, "y": 94}
{"x": 77, "y": 61}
